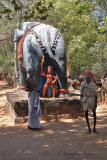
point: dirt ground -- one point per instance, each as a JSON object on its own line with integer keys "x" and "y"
{"x": 65, "y": 139}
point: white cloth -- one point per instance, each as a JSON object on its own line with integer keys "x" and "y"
{"x": 34, "y": 110}
{"x": 88, "y": 92}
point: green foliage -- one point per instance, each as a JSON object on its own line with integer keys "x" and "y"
{"x": 99, "y": 53}
{"x": 6, "y": 57}
{"x": 79, "y": 29}
{"x": 6, "y": 64}
{"x": 32, "y": 10}
{"x": 39, "y": 10}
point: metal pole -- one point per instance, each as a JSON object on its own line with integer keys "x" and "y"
{"x": 69, "y": 66}
{"x": 15, "y": 45}
{"x": 15, "y": 59}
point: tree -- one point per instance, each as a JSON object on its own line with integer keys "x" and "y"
{"x": 26, "y": 10}
{"x": 79, "y": 29}
{"x": 13, "y": 13}
{"x": 85, "y": 40}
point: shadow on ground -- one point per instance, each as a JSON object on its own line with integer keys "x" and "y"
{"x": 65, "y": 139}
{"x": 62, "y": 140}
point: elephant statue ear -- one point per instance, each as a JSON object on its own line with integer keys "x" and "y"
{"x": 17, "y": 35}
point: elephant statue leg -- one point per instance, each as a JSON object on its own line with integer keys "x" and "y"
{"x": 62, "y": 78}
{"x": 59, "y": 60}
{"x": 22, "y": 75}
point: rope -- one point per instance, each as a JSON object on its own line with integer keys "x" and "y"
{"x": 44, "y": 49}
{"x": 20, "y": 44}
{"x": 57, "y": 35}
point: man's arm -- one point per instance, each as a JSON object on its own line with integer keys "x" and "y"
{"x": 81, "y": 89}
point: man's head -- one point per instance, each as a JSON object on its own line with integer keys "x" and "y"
{"x": 31, "y": 72}
{"x": 88, "y": 78}
{"x": 88, "y": 75}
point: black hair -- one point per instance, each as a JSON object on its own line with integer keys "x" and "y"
{"x": 31, "y": 70}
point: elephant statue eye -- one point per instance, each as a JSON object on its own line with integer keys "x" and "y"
{"x": 53, "y": 51}
{"x": 61, "y": 58}
{"x": 57, "y": 37}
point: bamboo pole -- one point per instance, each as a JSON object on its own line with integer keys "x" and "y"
{"x": 69, "y": 67}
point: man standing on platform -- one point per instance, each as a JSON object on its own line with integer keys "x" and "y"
{"x": 34, "y": 109}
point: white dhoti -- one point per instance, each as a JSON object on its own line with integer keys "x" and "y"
{"x": 34, "y": 110}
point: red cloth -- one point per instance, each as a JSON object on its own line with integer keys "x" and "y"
{"x": 88, "y": 73}
{"x": 20, "y": 45}
{"x": 20, "y": 49}
{"x": 64, "y": 91}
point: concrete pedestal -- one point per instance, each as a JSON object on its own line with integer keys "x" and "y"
{"x": 51, "y": 107}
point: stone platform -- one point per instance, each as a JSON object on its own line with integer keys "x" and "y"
{"x": 51, "y": 107}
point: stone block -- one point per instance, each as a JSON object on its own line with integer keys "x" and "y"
{"x": 53, "y": 107}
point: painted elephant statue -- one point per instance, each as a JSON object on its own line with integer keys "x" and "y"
{"x": 35, "y": 40}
